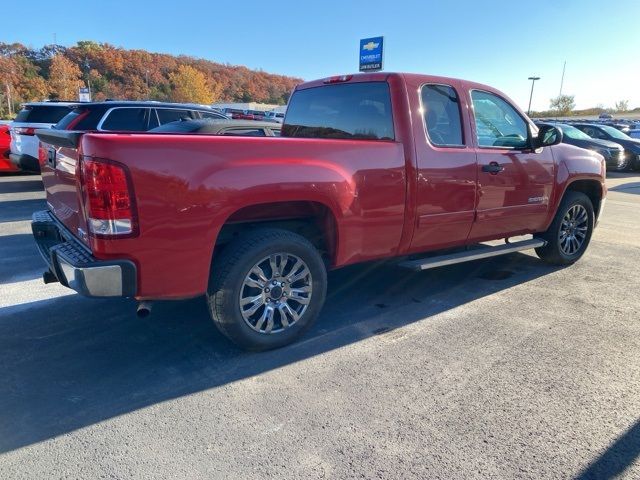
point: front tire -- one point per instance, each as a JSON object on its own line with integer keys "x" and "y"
{"x": 266, "y": 289}
{"x": 570, "y": 232}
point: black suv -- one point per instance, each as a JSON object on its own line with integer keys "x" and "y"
{"x": 128, "y": 116}
{"x": 612, "y": 152}
{"x": 605, "y": 132}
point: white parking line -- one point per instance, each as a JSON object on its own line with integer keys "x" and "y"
{"x": 29, "y": 291}
{"x": 12, "y": 228}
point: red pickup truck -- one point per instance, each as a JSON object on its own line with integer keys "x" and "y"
{"x": 370, "y": 166}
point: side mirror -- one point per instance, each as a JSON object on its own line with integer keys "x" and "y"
{"x": 548, "y": 135}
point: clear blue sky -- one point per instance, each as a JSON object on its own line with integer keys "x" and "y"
{"x": 495, "y": 42}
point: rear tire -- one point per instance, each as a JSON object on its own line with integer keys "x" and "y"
{"x": 570, "y": 232}
{"x": 255, "y": 297}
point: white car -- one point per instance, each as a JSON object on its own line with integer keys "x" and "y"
{"x": 24, "y": 144}
{"x": 274, "y": 116}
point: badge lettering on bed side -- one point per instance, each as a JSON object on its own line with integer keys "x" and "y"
{"x": 537, "y": 199}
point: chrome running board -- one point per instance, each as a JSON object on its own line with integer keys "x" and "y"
{"x": 469, "y": 255}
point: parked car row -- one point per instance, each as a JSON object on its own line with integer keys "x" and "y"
{"x": 620, "y": 151}
{"x": 259, "y": 115}
{"x": 114, "y": 116}
{"x": 625, "y": 125}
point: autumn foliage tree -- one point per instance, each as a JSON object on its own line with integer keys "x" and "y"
{"x": 190, "y": 85}
{"x": 64, "y": 78}
{"x": 54, "y": 71}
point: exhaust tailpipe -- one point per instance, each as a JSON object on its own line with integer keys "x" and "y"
{"x": 144, "y": 309}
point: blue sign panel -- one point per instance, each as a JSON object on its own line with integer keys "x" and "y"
{"x": 371, "y": 50}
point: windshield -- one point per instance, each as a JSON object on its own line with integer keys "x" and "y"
{"x": 615, "y": 133}
{"x": 574, "y": 133}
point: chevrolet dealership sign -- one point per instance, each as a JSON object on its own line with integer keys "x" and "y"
{"x": 371, "y": 50}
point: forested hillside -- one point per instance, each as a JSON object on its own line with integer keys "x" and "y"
{"x": 56, "y": 72}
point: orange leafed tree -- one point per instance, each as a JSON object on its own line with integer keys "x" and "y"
{"x": 190, "y": 85}
{"x": 113, "y": 72}
{"x": 64, "y": 78}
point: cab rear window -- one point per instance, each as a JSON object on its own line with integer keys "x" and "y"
{"x": 349, "y": 111}
{"x": 42, "y": 114}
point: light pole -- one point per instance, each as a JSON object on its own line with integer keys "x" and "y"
{"x": 88, "y": 67}
{"x": 533, "y": 81}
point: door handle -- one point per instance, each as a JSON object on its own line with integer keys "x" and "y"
{"x": 493, "y": 168}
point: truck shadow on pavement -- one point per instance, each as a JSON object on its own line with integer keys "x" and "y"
{"x": 20, "y": 186}
{"x": 17, "y": 210}
{"x": 631, "y": 187}
{"x": 70, "y": 362}
{"x": 617, "y": 457}
{"x": 20, "y": 259}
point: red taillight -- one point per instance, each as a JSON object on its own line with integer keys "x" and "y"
{"x": 43, "y": 154}
{"x": 25, "y": 130}
{"x": 108, "y": 198}
{"x": 338, "y": 79}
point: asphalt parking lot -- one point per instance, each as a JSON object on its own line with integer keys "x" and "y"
{"x": 504, "y": 368}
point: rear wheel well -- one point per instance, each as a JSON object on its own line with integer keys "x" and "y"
{"x": 591, "y": 188}
{"x": 312, "y": 220}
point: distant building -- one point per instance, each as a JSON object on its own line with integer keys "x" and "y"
{"x": 258, "y": 107}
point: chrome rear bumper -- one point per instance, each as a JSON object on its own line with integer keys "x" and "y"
{"x": 75, "y": 267}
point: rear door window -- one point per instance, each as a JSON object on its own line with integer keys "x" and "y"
{"x": 42, "y": 114}
{"x": 167, "y": 115}
{"x": 441, "y": 112}
{"x": 127, "y": 120}
{"x": 349, "y": 111}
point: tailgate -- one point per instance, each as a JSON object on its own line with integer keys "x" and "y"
{"x": 58, "y": 162}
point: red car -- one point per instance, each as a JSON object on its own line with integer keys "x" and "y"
{"x": 5, "y": 140}
{"x": 370, "y": 166}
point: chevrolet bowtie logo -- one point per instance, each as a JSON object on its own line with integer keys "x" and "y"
{"x": 370, "y": 46}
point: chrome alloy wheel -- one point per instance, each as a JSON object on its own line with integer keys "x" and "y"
{"x": 573, "y": 231}
{"x": 275, "y": 293}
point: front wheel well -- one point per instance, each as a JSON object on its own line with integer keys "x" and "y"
{"x": 591, "y": 188}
